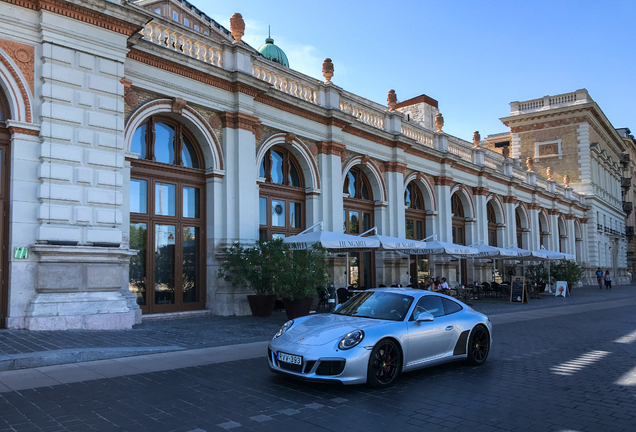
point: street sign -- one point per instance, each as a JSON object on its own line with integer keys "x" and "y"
{"x": 21, "y": 253}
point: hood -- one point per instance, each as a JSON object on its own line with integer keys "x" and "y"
{"x": 324, "y": 328}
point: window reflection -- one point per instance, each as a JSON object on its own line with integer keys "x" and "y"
{"x": 138, "y": 144}
{"x": 190, "y": 202}
{"x": 164, "y": 199}
{"x": 278, "y": 213}
{"x": 137, "y": 269}
{"x": 188, "y": 155}
{"x": 164, "y": 264}
{"x": 164, "y": 143}
{"x": 138, "y": 197}
{"x": 190, "y": 264}
{"x": 277, "y": 167}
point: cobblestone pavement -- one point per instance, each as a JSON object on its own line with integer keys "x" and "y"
{"x": 573, "y": 369}
{"x": 210, "y": 331}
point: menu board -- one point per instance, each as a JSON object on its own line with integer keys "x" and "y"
{"x": 518, "y": 290}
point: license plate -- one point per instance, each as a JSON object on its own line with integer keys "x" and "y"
{"x": 289, "y": 358}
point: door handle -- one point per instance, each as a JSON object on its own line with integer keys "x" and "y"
{"x": 449, "y": 328}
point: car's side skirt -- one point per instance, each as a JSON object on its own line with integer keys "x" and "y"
{"x": 460, "y": 346}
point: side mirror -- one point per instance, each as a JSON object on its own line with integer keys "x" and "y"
{"x": 338, "y": 306}
{"x": 424, "y": 317}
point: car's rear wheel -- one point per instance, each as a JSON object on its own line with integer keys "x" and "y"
{"x": 478, "y": 345}
{"x": 385, "y": 364}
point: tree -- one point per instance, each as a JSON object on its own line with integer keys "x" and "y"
{"x": 568, "y": 271}
{"x": 304, "y": 272}
{"x": 256, "y": 267}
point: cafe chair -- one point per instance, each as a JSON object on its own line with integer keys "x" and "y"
{"x": 323, "y": 300}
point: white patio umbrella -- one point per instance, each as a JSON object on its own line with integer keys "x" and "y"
{"x": 437, "y": 247}
{"x": 486, "y": 251}
{"x": 332, "y": 241}
{"x": 547, "y": 255}
{"x": 398, "y": 244}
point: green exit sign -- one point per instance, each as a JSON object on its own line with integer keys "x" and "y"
{"x": 21, "y": 253}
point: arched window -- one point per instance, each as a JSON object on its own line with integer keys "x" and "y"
{"x": 457, "y": 207}
{"x": 281, "y": 196}
{"x": 165, "y": 141}
{"x": 416, "y": 230}
{"x": 492, "y": 224}
{"x": 167, "y": 218}
{"x": 519, "y": 229}
{"x": 358, "y": 211}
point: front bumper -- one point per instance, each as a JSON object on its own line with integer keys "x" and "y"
{"x": 347, "y": 367}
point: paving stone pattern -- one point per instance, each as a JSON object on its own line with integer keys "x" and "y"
{"x": 560, "y": 373}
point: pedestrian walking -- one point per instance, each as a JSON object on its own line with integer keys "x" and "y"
{"x": 608, "y": 280}
{"x": 599, "y": 278}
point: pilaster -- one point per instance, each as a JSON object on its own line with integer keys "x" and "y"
{"x": 442, "y": 187}
{"x": 394, "y": 178}
{"x": 330, "y": 154}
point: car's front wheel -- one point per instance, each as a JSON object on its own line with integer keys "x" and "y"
{"x": 478, "y": 345}
{"x": 385, "y": 364}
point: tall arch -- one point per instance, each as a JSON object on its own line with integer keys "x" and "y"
{"x": 300, "y": 152}
{"x": 373, "y": 173}
{"x": 466, "y": 198}
{"x": 198, "y": 126}
{"x": 16, "y": 89}
{"x": 425, "y": 187}
{"x": 563, "y": 234}
{"x": 522, "y": 226}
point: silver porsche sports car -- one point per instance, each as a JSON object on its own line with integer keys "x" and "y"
{"x": 378, "y": 334}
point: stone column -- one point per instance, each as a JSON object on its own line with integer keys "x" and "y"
{"x": 535, "y": 227}
{"x": 510, "y": 233}
{"x": 442, "y": 187}
{"x": 571, "y": 238}
{"x": 240, "y": 206}
{"x": 554, "y": 239}
{"x": 330, "y": 154}
{"x": 481, "y": 214}
{"x": 394, "y": 178}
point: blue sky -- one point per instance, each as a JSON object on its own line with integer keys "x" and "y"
{"x": 474, "y": 57}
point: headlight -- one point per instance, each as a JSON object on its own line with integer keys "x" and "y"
{"x": 284, "y": 328}
{"x": 351, "y": 340}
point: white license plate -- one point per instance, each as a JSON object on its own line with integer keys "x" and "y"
{"x": 289, "y": 358}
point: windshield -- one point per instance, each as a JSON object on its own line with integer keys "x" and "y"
{"x": 378, "y": 305}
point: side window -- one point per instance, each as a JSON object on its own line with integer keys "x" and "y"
{"x": 429, "y": 303}
{"x": 450, "y": 307}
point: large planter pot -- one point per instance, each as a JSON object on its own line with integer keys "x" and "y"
{"x": 297, "y": 308}
{"x": 261, "y": 306}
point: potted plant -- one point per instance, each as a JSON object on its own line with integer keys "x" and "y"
{"x": 537, "y": 274}
{"x": 255, "y": 267}
{"x": 568, "y": 271}
{"x": 303, "y": 272}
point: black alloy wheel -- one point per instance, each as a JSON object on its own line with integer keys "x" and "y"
{"x": 385, "y": 364}
{"x": 478, "y": 345}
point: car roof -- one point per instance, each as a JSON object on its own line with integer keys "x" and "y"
{"x": 407, "y": 291}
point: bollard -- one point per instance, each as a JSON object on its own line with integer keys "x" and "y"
{"x": 332, "y": 298}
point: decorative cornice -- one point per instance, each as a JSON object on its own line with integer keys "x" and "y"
{"x": 569, "y": 217}
{"x": 332, "y": 121}
{"x": 292, "y": 109}
{"x": 548, "y": 124}
{"x": 79, "y": 14}
{"x": 553, "y": 212}
{"x": 509, "y": 199}
{"x": 331, "y": 148}
{"x": 397, "y": 167}
{"x": 239, "y": 120}
{"x": 442, "y": 181}
{"x": 483, "y": 191}
{"x": 533, "y": 206}
{"x": 583, "y": 220}
{"x": 23, "y": 131}
{"x": 178, "y": 69}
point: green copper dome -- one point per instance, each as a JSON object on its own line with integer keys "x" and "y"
{"x": 273, "y": 53}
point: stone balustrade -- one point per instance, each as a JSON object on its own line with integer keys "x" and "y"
{"x": 364, "y": 110}
{"x": 548, "y": 102}
{"x": 460, "y": 148}
{"x": 286, "y": 80}
{"x": 191, "y": 43}
{"x": 419, "y": 134}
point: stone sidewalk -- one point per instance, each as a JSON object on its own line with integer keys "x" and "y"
{"x": 22, "y": 349}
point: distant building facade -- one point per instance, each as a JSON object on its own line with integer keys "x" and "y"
{"x": 139, "y": 139}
